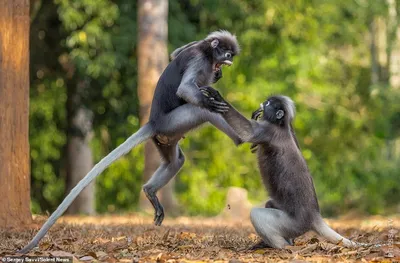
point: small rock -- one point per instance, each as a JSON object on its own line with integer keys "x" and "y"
{"x": 237, "y": 205}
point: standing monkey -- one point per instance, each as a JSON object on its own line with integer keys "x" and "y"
{"x": 178, "y": 106}
{"x": 293, "y": 208}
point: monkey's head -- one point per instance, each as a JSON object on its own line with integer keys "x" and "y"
{"x": 224, "y": 47}
{"x": 279, "y": 110}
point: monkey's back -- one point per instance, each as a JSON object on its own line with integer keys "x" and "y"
{"x": 165, "y": 98}
{"x": 286, "y": 176}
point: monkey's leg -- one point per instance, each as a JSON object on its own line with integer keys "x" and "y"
{"x": 173, "y": 160}
{"x": 262, "y": 244}
{"x": 188, "y": 116}
{"x": 273, "y": 226}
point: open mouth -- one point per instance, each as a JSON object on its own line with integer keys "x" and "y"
{"x": 220, "y": 64}
{"x": 257, "y": 114}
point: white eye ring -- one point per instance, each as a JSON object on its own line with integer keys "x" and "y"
{"x": 228, "y": 55}
{"x": 267, "y": 104}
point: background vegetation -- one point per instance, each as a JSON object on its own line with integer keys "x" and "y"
{"x": 337, "y": 59}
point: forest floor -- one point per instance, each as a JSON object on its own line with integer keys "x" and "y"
{"x": 133, "y": 238}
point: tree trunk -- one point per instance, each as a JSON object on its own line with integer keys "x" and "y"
{"x": 393, "y": 45}
{"x": 152, "y": 59}
{"x": 79, "y": 153}
{"x": 393, "y": 64}
{"x": 375, "y": 67}
{"x": 14, "y": 113}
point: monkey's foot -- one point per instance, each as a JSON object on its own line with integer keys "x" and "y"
{"x": 260, "y": 245}
{"x": 290, "y": 241}
{"x": 159, "y": 210}
{"x": 159, "y": 216}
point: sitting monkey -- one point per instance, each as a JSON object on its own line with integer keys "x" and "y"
{"x": 293, "y": 208}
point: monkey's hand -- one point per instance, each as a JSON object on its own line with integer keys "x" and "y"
{"x": 212, "y": 93}
{"x": 213, "y": 101}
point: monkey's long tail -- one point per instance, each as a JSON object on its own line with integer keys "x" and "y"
{"x": 325, "y": 231}
{"x": 143, "y": 134}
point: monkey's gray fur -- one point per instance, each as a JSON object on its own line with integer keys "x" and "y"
{"x": 178, "y": 106}
{"x": 293, "y": 208}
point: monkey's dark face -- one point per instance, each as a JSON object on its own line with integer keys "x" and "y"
{"x": 272, "y": 110}
{"x": 222, "y": 54}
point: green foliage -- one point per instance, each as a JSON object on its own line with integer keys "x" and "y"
{"x": 296, "y": 49}
{"x": 317, "y": 52}
{"x": 46, "y": 143}
{"x": 97, "y": 40}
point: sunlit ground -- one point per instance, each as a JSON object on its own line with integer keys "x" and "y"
{"x": 124, "y": 238}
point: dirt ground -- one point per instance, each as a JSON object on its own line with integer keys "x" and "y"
{"x": 133, "y": 238}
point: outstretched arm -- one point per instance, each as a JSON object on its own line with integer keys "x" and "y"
{"x": 248, "y": 130}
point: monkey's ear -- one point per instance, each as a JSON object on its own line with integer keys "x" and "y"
{"x": 214, "y": 43}
{"x": 280, "y": 114}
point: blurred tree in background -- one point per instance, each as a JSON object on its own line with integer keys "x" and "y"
{"x": 338, "y": 60}
{"x": 152, "y": 35}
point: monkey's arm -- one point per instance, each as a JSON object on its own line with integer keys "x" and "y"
{"x": 190, "y": 92}
{"x": 248, "y": 130}
{"x": 242, "y": 126}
